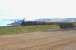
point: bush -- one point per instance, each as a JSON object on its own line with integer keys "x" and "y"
{"x": 66, "y": 25}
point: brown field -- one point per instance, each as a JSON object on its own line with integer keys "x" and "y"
{"x": 58, "y": 40}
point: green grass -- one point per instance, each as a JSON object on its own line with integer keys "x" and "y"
{"x": 24, "y": 29}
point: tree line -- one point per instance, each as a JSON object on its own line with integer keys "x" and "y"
{"x": 60, "y": 24}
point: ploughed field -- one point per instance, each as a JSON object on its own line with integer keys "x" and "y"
{"x": 58, "y": 40}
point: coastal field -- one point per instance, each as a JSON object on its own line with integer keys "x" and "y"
{"x": 39, "y": 37}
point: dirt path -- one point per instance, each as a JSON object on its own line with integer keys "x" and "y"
{"x": 39, "y": 41}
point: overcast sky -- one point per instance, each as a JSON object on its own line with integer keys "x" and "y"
{"x": 32, "y": 9}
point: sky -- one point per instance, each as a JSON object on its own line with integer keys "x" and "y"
{"x": 33, "y": 9}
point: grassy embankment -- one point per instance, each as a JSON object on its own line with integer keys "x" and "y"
{"x": 24, "y": 29}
